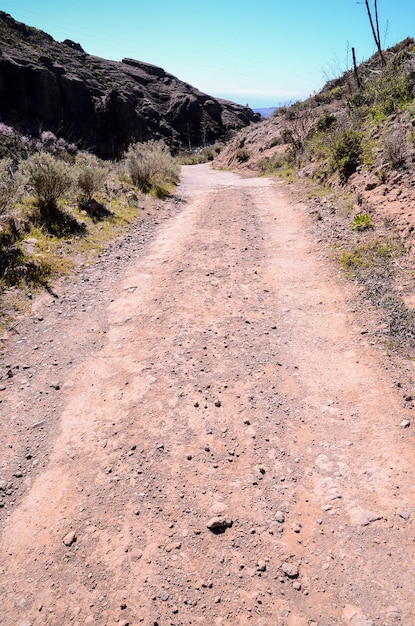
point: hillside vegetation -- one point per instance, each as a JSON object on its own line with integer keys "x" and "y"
{"x": 60, "y": 206}
{"x": 343, "y": 128}
{"x": 349, "y": 151}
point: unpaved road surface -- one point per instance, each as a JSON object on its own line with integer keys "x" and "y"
{"x": 214, "y": 374}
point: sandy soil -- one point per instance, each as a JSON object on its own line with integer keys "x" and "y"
{"x": 209, "y": 371}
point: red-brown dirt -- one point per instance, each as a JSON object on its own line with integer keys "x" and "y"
{"x": 211, "y": 366}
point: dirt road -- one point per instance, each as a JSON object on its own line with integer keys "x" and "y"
{"x": 217, "y": 377}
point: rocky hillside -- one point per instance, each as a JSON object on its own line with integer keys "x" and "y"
{"x": 103, "y": 105}
{"x": 348, "y": 154}
{"x": 354, "y": 139}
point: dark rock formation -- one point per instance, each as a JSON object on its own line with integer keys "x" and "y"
{"x": 103, "y": 105}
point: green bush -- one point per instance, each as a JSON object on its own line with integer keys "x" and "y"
{"x": 50, "y": 178}
{"x": 391, "y": 92}
{"x": 151, "y": 167}
{"x": 362, "y": 221}
{"x": 326, "y": 122}
{"x": 346, "y": 153}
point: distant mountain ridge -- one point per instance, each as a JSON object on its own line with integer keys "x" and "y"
{"x": 103, "y": 105}
{"x": 266, "y": 111}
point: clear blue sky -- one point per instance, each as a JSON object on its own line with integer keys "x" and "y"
{"x": 262, "y": 52}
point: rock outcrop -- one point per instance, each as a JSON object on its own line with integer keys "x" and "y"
{"x": 103, "y": 105}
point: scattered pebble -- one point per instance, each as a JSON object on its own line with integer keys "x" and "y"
{"x": 405, "y": 423}
{"x": 280, "y": 517}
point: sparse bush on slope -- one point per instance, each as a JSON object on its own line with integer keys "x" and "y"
{"x": 91, "y": 175}
{"x": 50, "y": 177}
{"x": 209, "y": 153}
{"x": 57, "y": 199}
{"x": 350, "y": 124}
{"x": 10, "y": 185}
{"x": 346, "y": 153}
{"x": 151, "y": 167}
{"x": 395, "y": 146}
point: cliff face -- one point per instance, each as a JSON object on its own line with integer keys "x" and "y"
{"x": 103, "y": 105}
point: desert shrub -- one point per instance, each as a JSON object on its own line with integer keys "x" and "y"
{"x": 55, "y": 145}
{"x": 213, "y": 151}
{"x": 358, "y": 100}
{"x": 271, "y": 165}
{"x": 91, "y": 175}
{"x": 392, "y": 91}
{"x": 13, "y": 144}
{"x": 278, "y": 164}
{"x": 279, "y": 111}
{"x": 371, "y": 257}
{"x": 209, "y": 153}
{"x": 395, "y": 148}
{"x": 50, "y": 178}
{"x": 18, "y": 146}
{"x": 242, "y": 155}
{"x": 275, "y": 141}
{"x": 298, "y": 129}
{"x": 346, "y": 153}
{"x": 151, "y": 166}
{"x": 9, "y": 187}
{"x": 326, "y": 122}
{"x": 287, "y": 135}
{"x": 337, "y": 93}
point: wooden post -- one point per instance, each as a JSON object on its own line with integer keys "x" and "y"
{"x": 356, "y": 73}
